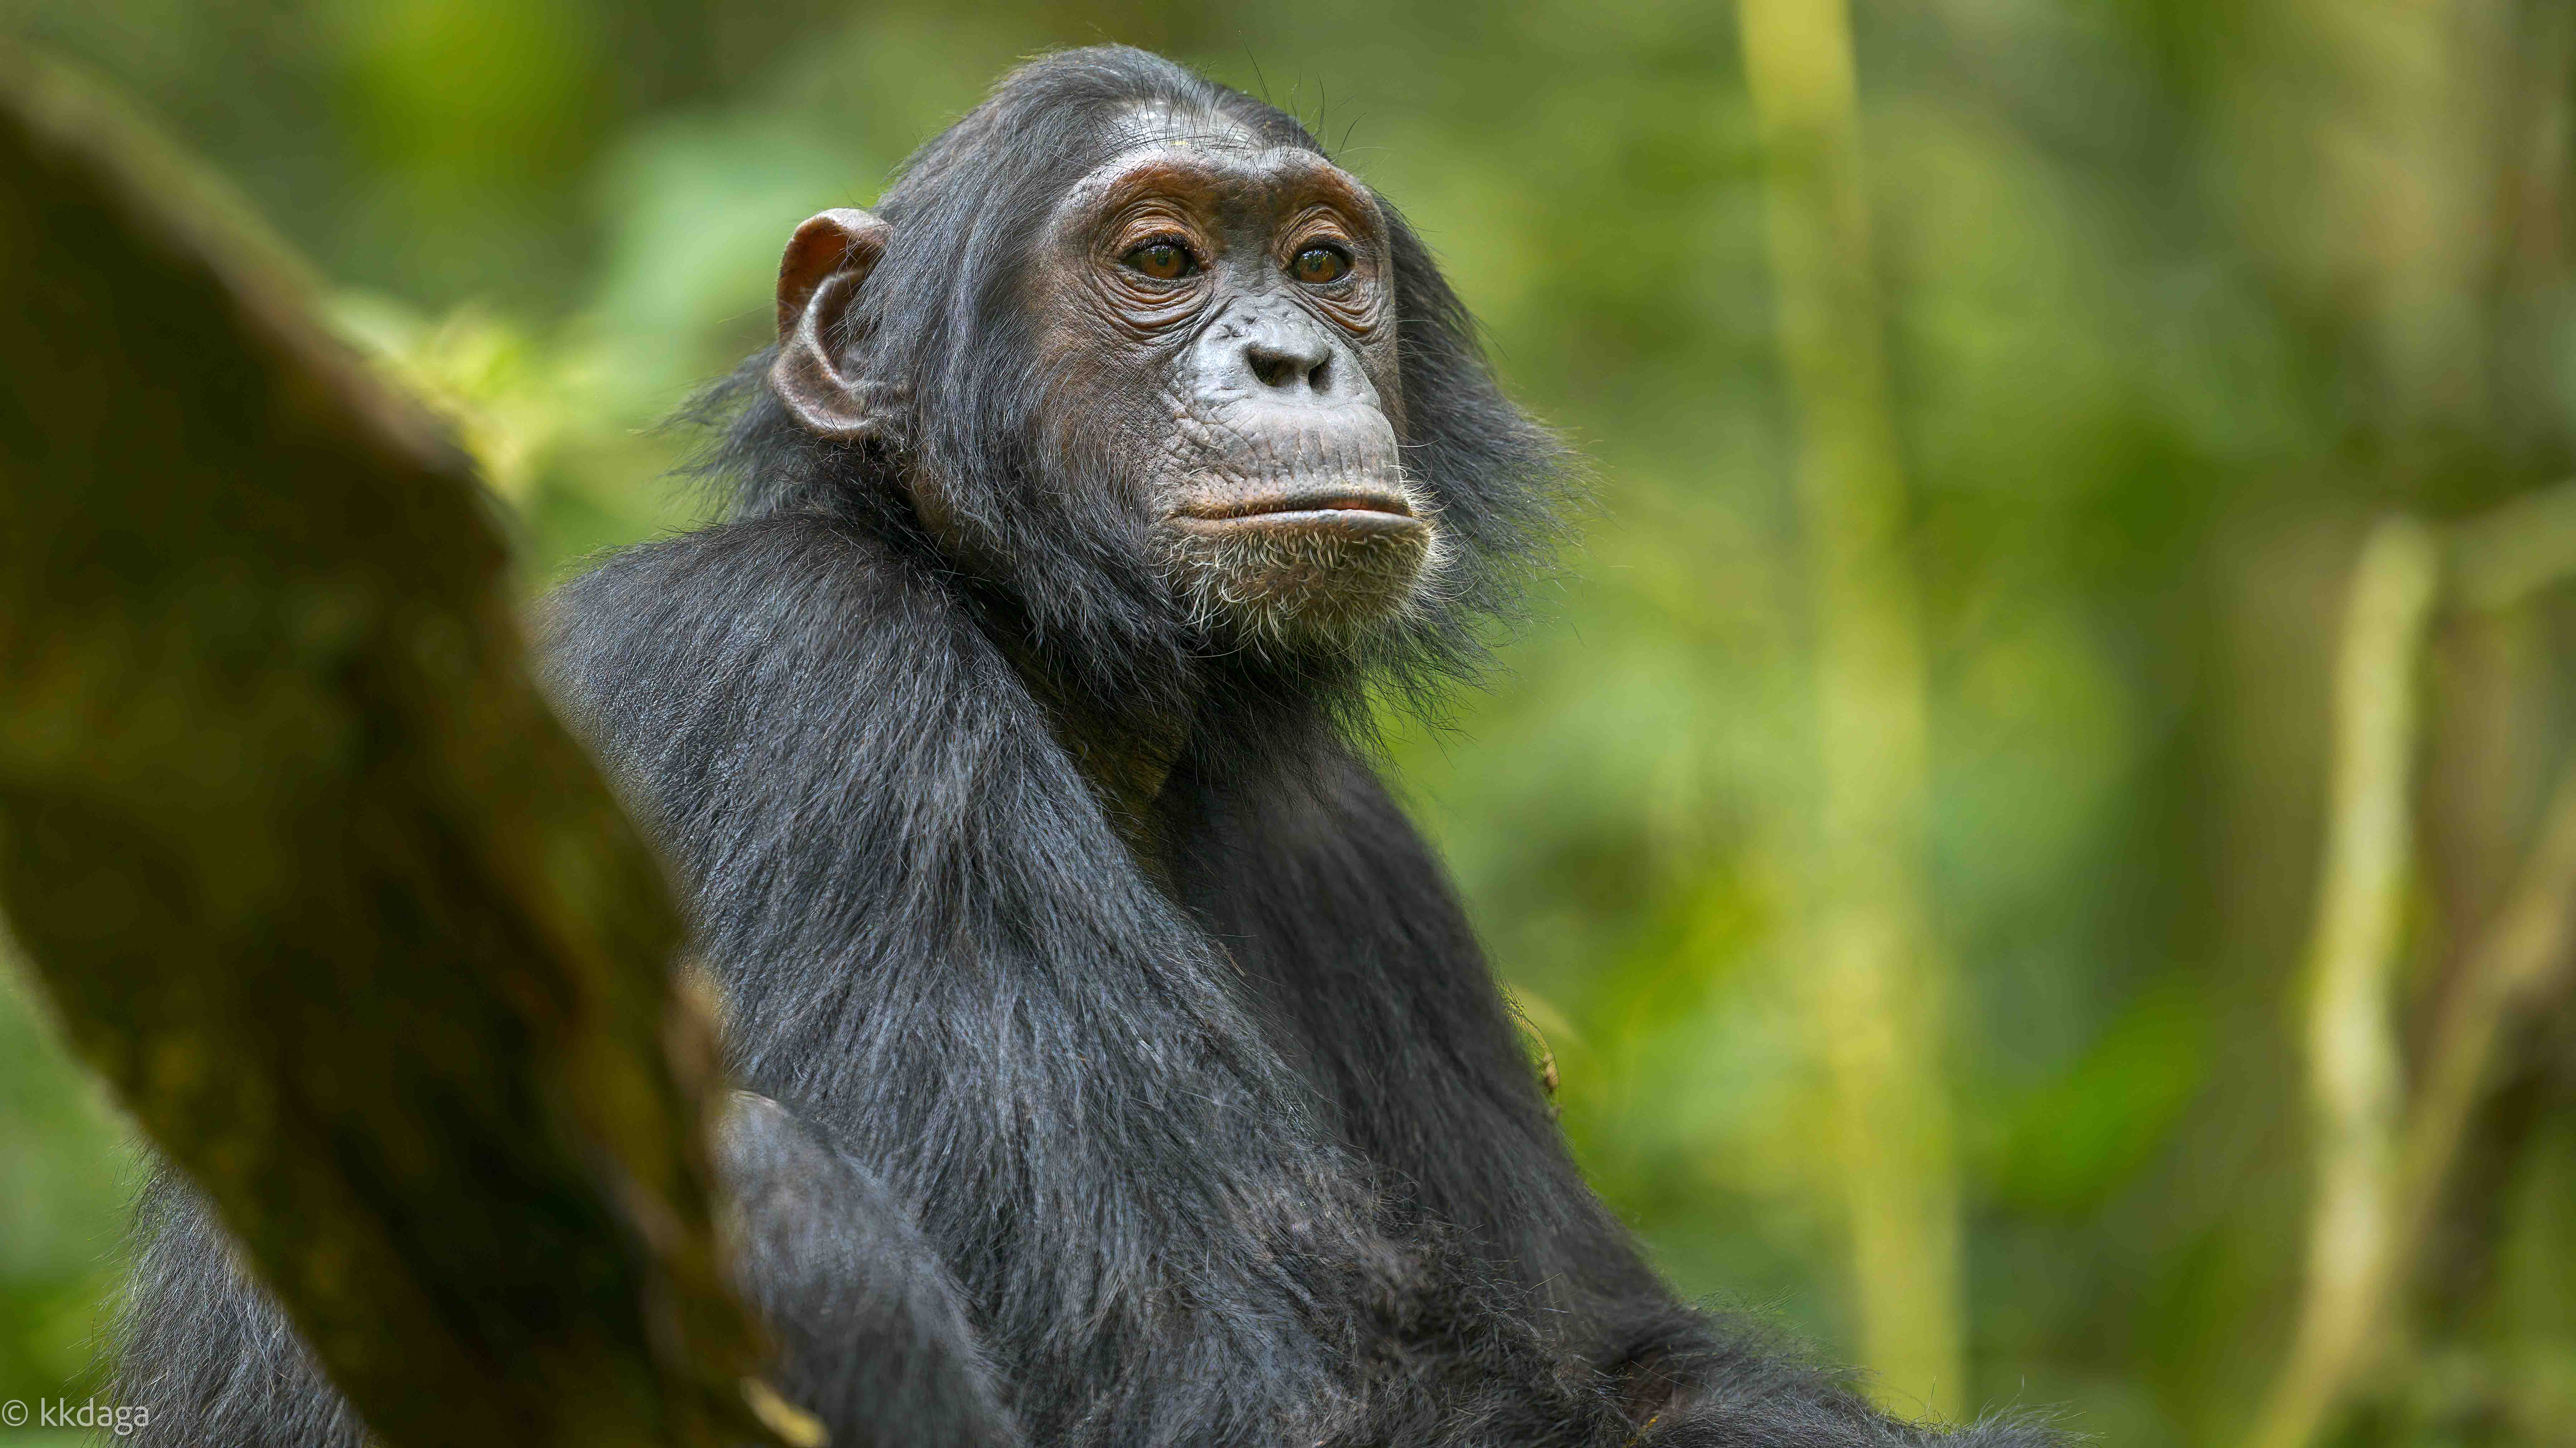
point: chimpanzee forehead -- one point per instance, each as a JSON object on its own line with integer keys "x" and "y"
{"x": 1211, "y": 147}
{"x": 1159, "y": 123}
{"x": 1199, "y": 132}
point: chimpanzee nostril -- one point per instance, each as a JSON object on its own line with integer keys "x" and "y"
{"x": 1287, "y": 364}
{"x": 1274, "y": 368}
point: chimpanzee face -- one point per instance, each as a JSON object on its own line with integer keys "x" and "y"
{"x": 1231, "y": 306}
{"x": 1214, "y": 326}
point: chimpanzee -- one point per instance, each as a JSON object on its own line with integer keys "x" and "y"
{"x": 1126, "y": 1071}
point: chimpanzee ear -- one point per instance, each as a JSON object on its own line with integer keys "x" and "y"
{"x": 827, "y": 261}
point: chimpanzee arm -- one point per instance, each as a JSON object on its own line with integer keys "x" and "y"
{"x": 871, "y": 1336}
{"x": 871, "y": 1339}
{"x": 1330, "y": 897}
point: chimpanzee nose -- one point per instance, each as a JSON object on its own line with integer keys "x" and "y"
{"x": 1290, "y": 357}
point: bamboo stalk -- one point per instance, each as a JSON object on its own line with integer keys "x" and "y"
{"x": 1879, "y": 1000}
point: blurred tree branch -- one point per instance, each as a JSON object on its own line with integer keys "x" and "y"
{"x": 2354, "y": 1068}
{"x": 307, "y": 869}
{"x": 1880, "y": 1000}
{"x": 2384, "y": 1154}
{"x": 2501, "y": 558}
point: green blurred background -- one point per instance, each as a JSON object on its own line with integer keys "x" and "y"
{"x": 2174, "y": 296}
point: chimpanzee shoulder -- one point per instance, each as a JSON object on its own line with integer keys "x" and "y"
{"x": 726, "y": 669}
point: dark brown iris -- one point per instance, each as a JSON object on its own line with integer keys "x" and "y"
{"x": 1164, "y": 261}
{"x": 1317, "y": 265}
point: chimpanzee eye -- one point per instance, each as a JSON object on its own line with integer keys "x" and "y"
{"x": 1164, "y": 261}
{"x": 1317, "y": 265}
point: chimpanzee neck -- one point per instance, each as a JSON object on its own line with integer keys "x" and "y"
{"x": 1129, "y": 724}
{"x": 1123, "y": 728}
{"x": 1125, "y": 754}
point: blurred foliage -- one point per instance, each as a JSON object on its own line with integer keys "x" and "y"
{"x": 2177, "y": 294}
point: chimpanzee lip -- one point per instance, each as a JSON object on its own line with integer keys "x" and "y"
{"x": 1381, "y": 505}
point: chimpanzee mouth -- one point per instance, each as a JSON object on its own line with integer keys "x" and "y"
{"x": 1297, "y": 563}
{"x": 1345, "y": 508}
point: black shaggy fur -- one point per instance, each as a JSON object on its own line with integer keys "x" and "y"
{"x": 1199, "y": 1121}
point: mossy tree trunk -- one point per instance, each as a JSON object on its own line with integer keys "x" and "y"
{"x": 307, "y": 869}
